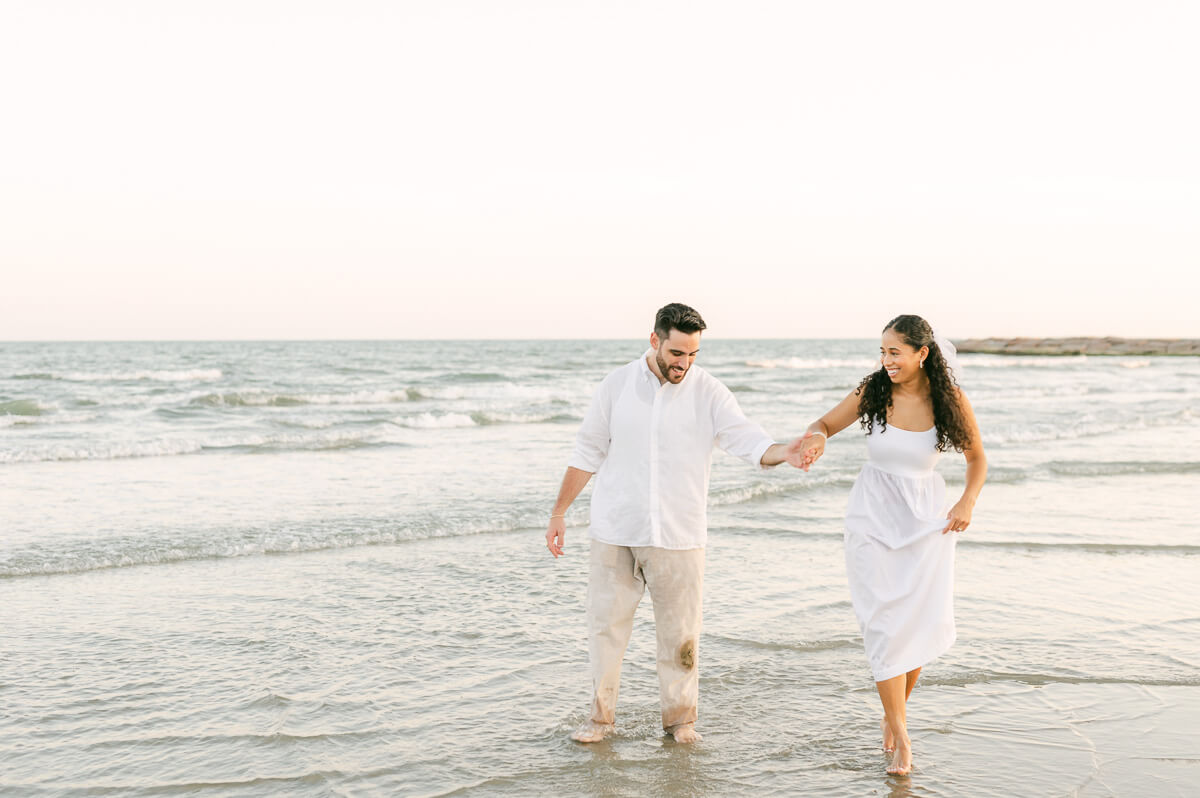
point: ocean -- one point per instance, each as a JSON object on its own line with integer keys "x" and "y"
{"x": 318, "y": 569}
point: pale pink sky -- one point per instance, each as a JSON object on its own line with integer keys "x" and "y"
{"x": 560, "y": 169}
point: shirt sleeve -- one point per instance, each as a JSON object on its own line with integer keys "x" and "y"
{"x": 594, "y": 436}
{"x": 736, "y": 434}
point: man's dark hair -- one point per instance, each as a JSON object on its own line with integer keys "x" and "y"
{"x": 677, "y": 316}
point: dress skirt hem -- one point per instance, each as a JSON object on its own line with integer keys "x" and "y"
{"x": 897, "y": 670}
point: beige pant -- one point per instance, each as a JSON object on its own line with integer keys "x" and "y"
{"x": 618, "y": 577}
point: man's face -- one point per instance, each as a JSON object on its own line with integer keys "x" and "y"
{"x": 675, "y": 353}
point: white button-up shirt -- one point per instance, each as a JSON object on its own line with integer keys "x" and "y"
{"x": 650, "y": 446}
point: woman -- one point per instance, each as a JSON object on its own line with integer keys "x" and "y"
{"x": 899, "y": 550}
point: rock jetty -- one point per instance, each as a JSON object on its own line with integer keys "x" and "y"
{"x": 1080, "y": 346}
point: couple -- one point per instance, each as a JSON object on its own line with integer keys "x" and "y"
{"x": 648, "y": 436}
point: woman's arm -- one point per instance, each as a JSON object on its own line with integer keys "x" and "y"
{"x": 841, "y": 416}
{"x": 959, "y": 517}
{"x": 803, "y": 452}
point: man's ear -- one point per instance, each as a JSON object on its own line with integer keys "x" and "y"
{"x": 654, "y": 342}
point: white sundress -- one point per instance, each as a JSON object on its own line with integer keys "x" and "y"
{"x": 899, "y": 564}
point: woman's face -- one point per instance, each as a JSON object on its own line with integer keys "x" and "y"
{"x": 901, "y": 361}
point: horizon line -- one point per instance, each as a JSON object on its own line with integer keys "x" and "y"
{"x": 471, "y": 339}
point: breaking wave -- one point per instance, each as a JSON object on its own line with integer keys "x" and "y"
{"x": 1034, "y": 432}
{"x": 269, "y": 399}
{"x": 168, "y": 447}
{"x": 205, "y": 544}
{"x": 23, "y": 407}
{"x": 479, "y": 419}
{"x": 1092, "y": 548}
{"x": 436, "y": 421}
{"x": 1095, "y": 469}
{"x": 765, "y": 490}
{"x": 813, "y": 363}
{"x": 981, "y": 361}
{"x": 184, "y": 375}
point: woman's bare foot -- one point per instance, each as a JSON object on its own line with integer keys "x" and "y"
{"x": 902, "y": 759}
{"x": 686, "y": 733}
{"x": 889, "y": 739}
{"x": 592, "y": 732}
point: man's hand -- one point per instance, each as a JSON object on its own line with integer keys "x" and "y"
{"x": 805, "y": 451}
{"x": 556, "y": 533}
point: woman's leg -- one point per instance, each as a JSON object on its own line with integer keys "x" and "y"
{"x": 889, "y": 739}
{"x": 892, "y": 694}
{"x": 910, "y": 682}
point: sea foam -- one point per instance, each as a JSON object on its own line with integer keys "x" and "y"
{"x": 184, "y": 375}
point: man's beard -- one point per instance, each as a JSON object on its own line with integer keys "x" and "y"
{"x": 665, "y": 370}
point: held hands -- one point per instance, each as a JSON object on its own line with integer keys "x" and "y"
{"x": 805, "y": 451}
{"x": 556, "y": 533}
{"x": 959, "y": 517}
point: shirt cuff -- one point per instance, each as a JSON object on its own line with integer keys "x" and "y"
{"x": 760, "y": 450}
{"x": 577, "y": 461}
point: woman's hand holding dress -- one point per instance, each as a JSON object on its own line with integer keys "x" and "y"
{"x": 959, "y": 517}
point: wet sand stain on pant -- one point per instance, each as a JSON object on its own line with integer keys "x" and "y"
{"x": 687, "y": 654}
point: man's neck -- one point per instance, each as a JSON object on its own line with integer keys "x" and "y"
{"x": 652, "y": 362}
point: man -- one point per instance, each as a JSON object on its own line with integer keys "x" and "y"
{"x": 648, "y": 436}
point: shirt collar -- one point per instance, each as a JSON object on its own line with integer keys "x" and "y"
{"x": 647, "y": 373}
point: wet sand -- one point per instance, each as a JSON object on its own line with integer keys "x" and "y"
{"x": 457, "y": 666}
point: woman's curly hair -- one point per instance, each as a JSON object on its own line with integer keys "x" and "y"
{"x": 875, "y": 391}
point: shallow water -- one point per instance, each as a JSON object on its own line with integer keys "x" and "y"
{"x": 336, "y": 583}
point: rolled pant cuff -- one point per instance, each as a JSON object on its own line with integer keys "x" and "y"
{"x": 676, "y": 719}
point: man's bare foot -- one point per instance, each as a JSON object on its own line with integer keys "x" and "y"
{"x": 592, "y": 732}
{"x": 686, "y": 733}
{"x": 902, "y": 759}
{"x": 889, "y": 739}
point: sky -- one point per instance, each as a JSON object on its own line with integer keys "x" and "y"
{"x": 558, "y": 169}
